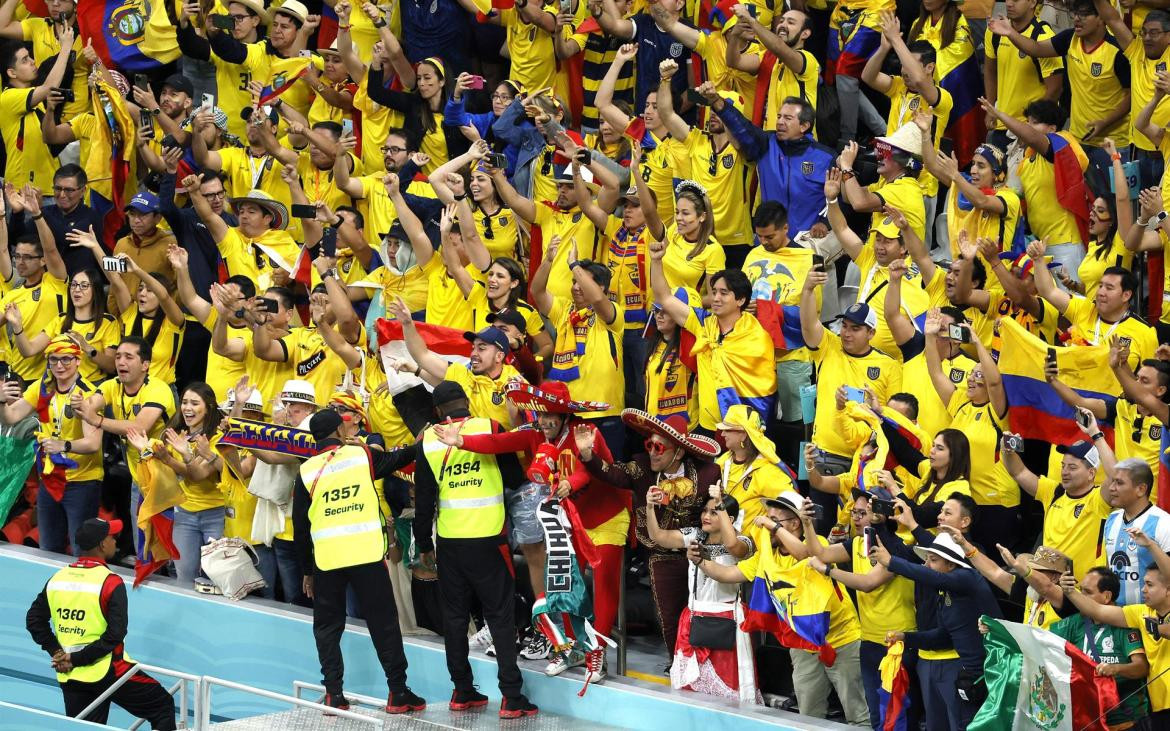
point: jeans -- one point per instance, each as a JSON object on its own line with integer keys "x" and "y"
{"x": 291, "y": 574}
{"x": 191, "y": 531}
{"x": 634, "y": 348}
{"x": 58, "y": 521}
{"x": 267, "y": 569}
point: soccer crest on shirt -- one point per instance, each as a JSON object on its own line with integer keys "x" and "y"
{"x": 807, "y": 167}
{"x": 915, "y": 102}
{"x": 1160, "y": 66}
{"x": 1095, "y": 69}
{"x": 1080, "y": 508}
{"x": 676, "y": 50}
{"x": 728, "y": 161}
{"x": 873, "y": 372}
{"x": 957, "y": 375}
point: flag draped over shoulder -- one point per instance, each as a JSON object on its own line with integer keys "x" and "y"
{"x": 156, "y": 517}
{"x": 1038, "y": 681}
{"x": 782, "y": 322}
{"x": 894, "y": 691}
{"x": 130, "y": 35}
{"x": 110, "y": 161}
{"x": 742, "y": 362}
{"x": 1069, "y": 163}
{"x": 792, "y": 604}
{"x": 1036, "y": 410}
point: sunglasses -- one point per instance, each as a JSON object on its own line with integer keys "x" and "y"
{"x": 655, "y": 448}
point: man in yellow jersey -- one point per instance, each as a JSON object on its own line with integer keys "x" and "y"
{"x": 1095, "y": 321}
{"x": 459, "y": 497}
{"x": 782, "y": 66}
{"x": 130, "y": 401}
{"x": 80, "y": 619}
{"x": 1012, "y": 80}
{"x": 885, "y": 601}
{"x": 716, "y": 162}
{"x": 28, "y": 158}
{"x": 783, "y": 532}
{"x": 70, "y": 496}
{"x": 899, "y": 160}
{"x": 531, "y": 26}
{"x": 1137, "y": 429}
{"x": 1015, "y": 297}
{"x": 1148, "y": 54}
{"x": 369, "y": 190}
{"x": 44, "y": 37}
{"x": 1098, "y": 77}
{"x": 1148, "y": 617}
{"x": 232, "y": 79}
{"x": 847, "y": 360}
{"x": 40, "y": 299}
{"x": 342, "y": 543}
{"x": 314, "y": 164}
{"x": 304, "y": 351}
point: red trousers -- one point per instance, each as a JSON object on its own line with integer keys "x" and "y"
{"x": 607, "y": 577}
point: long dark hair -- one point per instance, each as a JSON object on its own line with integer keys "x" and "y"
{"x": 1105, "y": 241}
{"x": 426, "y": 114}
{"x": 672, "y": 344}
{"x": 160, "y": 316}
{"x": 210, "y": 417}
{"x": 950, "y": 23}
{"x": 516, "y": 271}
{"x": 99, "y": 300}
{"x": 958, "y": 469}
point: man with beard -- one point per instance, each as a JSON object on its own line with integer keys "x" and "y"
{"x": 680, "y": 465}
{"x": 381, "y": 212}
{"x": 782, "y": 65}
{"x": 166, "y": 115}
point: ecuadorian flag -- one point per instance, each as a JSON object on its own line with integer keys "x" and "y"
{"x": 894, "y": 691}
{"x": 782, "y": 322}
{"x": 130, "y": 35}
{"x": 792, "y": 604}
{"x": 1037, "y": 412}
{"x": 110, "y": 162}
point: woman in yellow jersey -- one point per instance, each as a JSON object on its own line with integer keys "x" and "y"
{"x": 153, "y": 314}
{"x": 421, "y": 108}
{"x": 751, "y": 470}
{"x": 609, "y": 140}
{"x": 980, "y": 204}
{"x": 692, "y": 253}
{"x": 406, "y": 252}
{"x": 189, "y": 451}
{"x": 501, "y": 291}
{"x": 334, "y": 101}
{"x": 670, "y": 384}
{"x": 468, "y": 176}
{"x": 85, "y": 321}
{"x": 1106, "y": 246}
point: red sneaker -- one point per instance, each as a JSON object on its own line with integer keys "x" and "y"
{"x": 404, "y": 702}
{"x": 467, "y": 699}
{"x": 517, "y": 707}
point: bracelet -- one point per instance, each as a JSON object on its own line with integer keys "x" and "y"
{"x": 18, "y": 334}
{"x": 344, "y": 27}
{"x": 971, "y": 553}
{"x": 380, "y": 23}
{"x": 833, "y": 201}
{"x": 1026, "y": 575}
{"x": 417, "y": 370}
{"x": 101, "y": 420}
{"x": 37, "y": 217}
{"x": 1098, "y": 435}
{"x": 828, "y": 569}
{"x": 1116, "y": 157}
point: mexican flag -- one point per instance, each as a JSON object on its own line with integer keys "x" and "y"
{"x": 1038, "y": 681}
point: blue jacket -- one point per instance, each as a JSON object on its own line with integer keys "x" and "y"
{"x": 514, "y": 128}
{"x": 960, "y": 598}
{"x": 791, "y": 172}
{"x": 455, "y": 114}
{"x": 193, "y": 235}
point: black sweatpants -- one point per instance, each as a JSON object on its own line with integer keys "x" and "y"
{"x": 474, "y": 568}
{"x": 140, "y": 696}
{"x": 371, "y": 583}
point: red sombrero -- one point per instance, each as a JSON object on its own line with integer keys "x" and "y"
{"x": 673, "y": 429}
{"x": 552, "y": 397}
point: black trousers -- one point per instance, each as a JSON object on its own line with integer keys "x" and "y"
{"x": 371, "y": 583}
{"x": 141, "y": 696}
{"x": 191, "y": 366}
{"x": 470, "y": 569}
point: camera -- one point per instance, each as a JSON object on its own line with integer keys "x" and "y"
{"x": 882, "y": 507}
{"x": 1013, "y": 443}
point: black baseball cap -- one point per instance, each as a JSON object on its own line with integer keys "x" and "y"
{"x": 178, "y": 82}
{"x": 93, "y": 531}
{"x": 509, "y": 316}
{"x": 446, "y": 392}
{"x": 324, "y": 423}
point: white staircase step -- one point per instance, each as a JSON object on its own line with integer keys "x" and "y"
{"x": 435, "y": 717}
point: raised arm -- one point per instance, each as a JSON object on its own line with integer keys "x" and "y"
{"x": 1001, "y": 26}
{"x": 1024, "y": 477}
{"x": 1026, "y": 133}
{"x": 1134, "y": 391}
{"x": 57, "y": 73}
{"x": 419, "y": 241}
{"x": 674, "y": 124}
{"x": 1042, "y": 276}
{"x": 810, "y": 311}
{"x": 523, "y": 207}
{"x": 431, "y": 368}
{"x": 207, "y": 158}
{"x": 932, "y": 330}
{"x": 1144, "y": 122}
{"x": 1117, "y": 24}
{"x": 54, "y": 264}
{"x": 604, "y": 98}
{"x": 676, "y": 308}
{"x": 195, "y": 304}
{"x": 214, "y": 223}
{"x": 899, "y": 322}
{"x": 612, "y": 22}
{"x": 850, "y": 241}
{"x": 539, "y": 284}
{"x": 170, "y": 308}
{"x": 872, "y": 74}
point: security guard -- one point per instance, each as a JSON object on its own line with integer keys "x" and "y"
{"x": 80, "y": 619}
{"x": 468, "y": 489}
{"x": 340, "y": 530}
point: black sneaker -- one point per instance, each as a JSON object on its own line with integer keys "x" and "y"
{"x": 339, "y": 701}
{"x": 517, "y": 707}
{"x": 404, "y": 701}
{"x": 462, "y": 700}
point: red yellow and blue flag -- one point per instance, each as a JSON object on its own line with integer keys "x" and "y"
{"x": 894, "y": 690}
{"x": 792, "y": 604}
{"x": 130, "y": 35}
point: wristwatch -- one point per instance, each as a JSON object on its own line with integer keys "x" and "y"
{"x": 1156, "y": 220}
{"x": 68, "y": 446}
{"x": 380, "y": 22}
{"x": 828, "y": 569}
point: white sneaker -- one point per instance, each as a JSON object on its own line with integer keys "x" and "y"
{"x": 482, "y": 640}
{"x": 562, "y": 661}
{"x": 595, "y": 666}
{"x": 538, "y": 647}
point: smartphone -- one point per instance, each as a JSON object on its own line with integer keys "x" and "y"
{"x": 305, "y": 53}
{"x": 870, "y": 538}
{"x": 147, "y": 131}
{"x": 497, "y": 160}
{"x": 141, "y": 81}
{"x": 854, "y": 394}
{"x": 1050, "y": 356}
{"x": 584, "y": 157}
{"x": 1152, "y": 625}
{"x": 169, "y": 141}
{"x": 208, "y": 102}
{"x": 695, "y": 97}
{"x": 1013, "y": 443}
{"x": 346, "y": 127}
{"x": 818, "y": 264}
{"x": 958, "y": 333}
{"x": 882, "y": 507}
{"x": 1083, "y": 416}
{"x": 269, "y": 305}
{"x": 818, "y": 512}
{"x": 67, "y": 95}
{"x": 113, "y": 264}
{"x": 223, "y": 22}
{"x": 475, "y": 82}
{"x": 566, "y": 7}
{"x": 329, "y": 245}
{"x": 303, "y": 210}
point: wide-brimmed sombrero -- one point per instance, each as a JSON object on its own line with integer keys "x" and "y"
{"x": 673, "y": 429}
{"x": 551, "y": 397}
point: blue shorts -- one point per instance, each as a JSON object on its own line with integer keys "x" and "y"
{"x": 521, "y": 505}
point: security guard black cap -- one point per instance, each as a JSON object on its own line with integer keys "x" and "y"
{"x": 446, "y": 392}
{"x": 324, "y": 423}
{"x": 93, "y": 531}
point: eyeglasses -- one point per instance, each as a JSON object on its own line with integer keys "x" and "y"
{"x": 393, "y": 149}
{"x": 64, "y": 189}
{"x": 1152, "y": 33}
{"x": 859, "y": 513}
{"x": 218, "y": 194}
{"x": 501, "y": 98}
{"x": 655, "y": 448}
{"x": 26, "y": 257}
{"x": 241, "y": 17}
{"x": 61, "y": 360}
{"x": 81, "y": 286}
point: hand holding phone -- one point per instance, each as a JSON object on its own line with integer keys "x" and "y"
{"x": 695, "y": 97}
{"x": 475, "y": 82}
{"x": 223, "y": 22}
{"x": 854, "y": 394}
{"x": 818, "y": 263}
{"x": 113, "y": 264}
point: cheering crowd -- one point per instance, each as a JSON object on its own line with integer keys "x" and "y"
{"x": 857, "y": 307}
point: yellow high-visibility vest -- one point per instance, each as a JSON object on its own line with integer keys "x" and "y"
{"x": 346, "y": 524}
{"x": 75, "y": 602}
{"x": 471, "y": 492}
